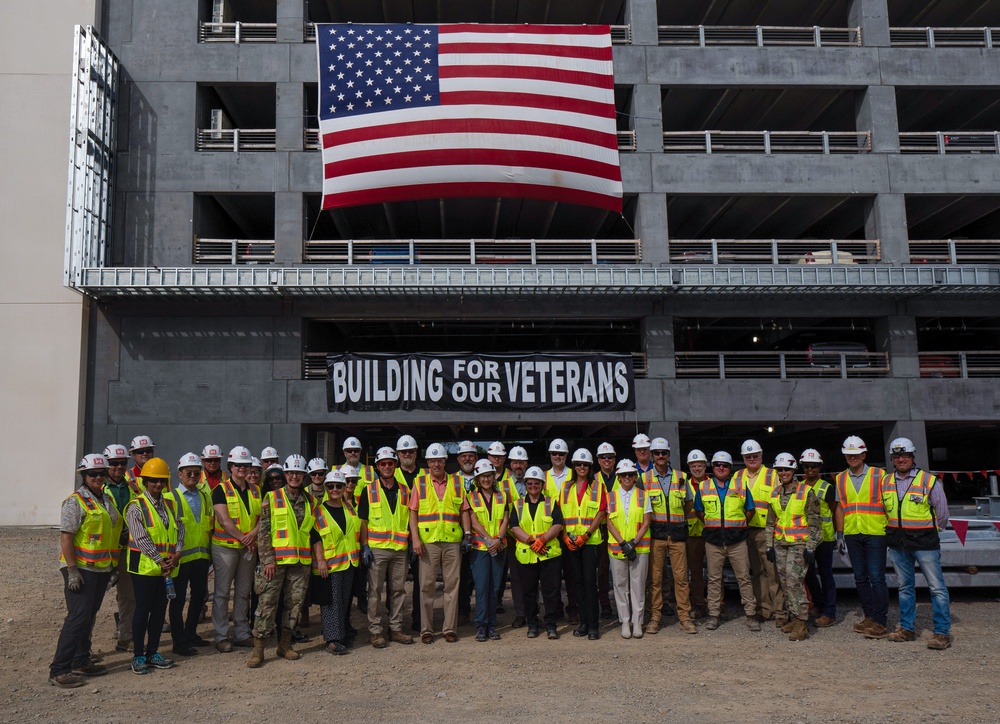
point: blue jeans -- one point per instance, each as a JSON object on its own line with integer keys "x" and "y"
{"x": 486, "y": 572}
{"x": 820, "y": 580}
{"x": 903, "y": 560}
{"x": 867, "y": 554}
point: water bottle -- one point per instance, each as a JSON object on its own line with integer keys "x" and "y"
{"x": 171, "y": 591}
{"x": 248, "y": 554}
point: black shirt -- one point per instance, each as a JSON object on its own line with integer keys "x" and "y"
{"x": 339, "y": 517}
{"x": 219, "y": 495}
{"x": 391, "y": 495}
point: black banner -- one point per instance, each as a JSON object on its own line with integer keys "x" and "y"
{"x": 480, "y": 382}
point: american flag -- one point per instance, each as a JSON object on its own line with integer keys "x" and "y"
{"x": 442, "y": 111}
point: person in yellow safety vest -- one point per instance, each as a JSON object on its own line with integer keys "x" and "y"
{"x": 584, "y": 505}
{"x": 193, "y": 505}
{"x": 121, "y": 490}
{"x": 156, "y": 538}
{"x": 671, "y": 499}
{"x": 141, "y": 449}
{"x": 485, "y": 509}
{"x": 630, "y": 514}
{"x": 287, "y": 516}
{"x": 234, "y": 550}
{"x": 436, "y": 534}
{"x": 88, "y": 547}
{"x": 383, "y": 509}
{"x": 607, "y": 460}
{"x": 760, "y": 481}
{"x": 859, "y": 522}
{"x": 536, "y": 522}
{"x": 336, "y": 551}
{"x": 726, "y": 507}
{"x": 819, "y": 578}
{"x": 694, "y": 546}
{"x": 794, "y": 529}
{"x": 518, "y": 467}
{"x": 211, "y": 460}
{"x": 643, "y": 456}
{"x": 406, "y": 474}
{"x": 916, "y": 509}
{"x": 352, "y": 457}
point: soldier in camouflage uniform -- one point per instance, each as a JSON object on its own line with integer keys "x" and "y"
{"x": 794, "y": 529}
{"x": 286, "y": 518}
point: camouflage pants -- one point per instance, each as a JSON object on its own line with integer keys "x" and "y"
{"x": 290, "y": 583}
{"x": 791, "y": 565}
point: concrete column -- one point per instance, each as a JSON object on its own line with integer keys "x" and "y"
{"x": 641, "y": 15}
{"x": 658, "y": 343}
{"x": 886, "y": 220}
{"x": 288, "y": 228}
{"x": 875, "y": 111}
{"x": 897, "y": 335}
{"x": 651, "y": 228}
{"x": 873, "y": 17}
{"x": 289, "y": 113}
{"x": 291, "y": 16}
{"x": 916, "y": 430}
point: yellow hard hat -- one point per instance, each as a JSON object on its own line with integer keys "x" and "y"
{"x": 156, "y": 468}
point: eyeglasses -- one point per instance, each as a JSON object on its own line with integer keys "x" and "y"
{"x": 154, "y": 481}
{"x": 406, "y": 452}
{"x": 721, "y": 465}
{"x": 271, "y": 481}
{"x": 751, "y": 456}
{"x": 533, "y": 482}
{"x": 557, "y": 455}
{"x": 117, "y": 463}
{"x": 317, "y": 474}
{"x": 241, "y": 465}
{"x": 659, "y": 454}
{"x": 605, "y": 457}
{"x": 334, "y": 486}
{"x": 190, "y": 471}
{"x": 95, "y": 474}
{"x": 143, "y": 451}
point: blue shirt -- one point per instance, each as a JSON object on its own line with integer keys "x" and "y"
{"x": 722, "y": 490}
{"x": 193, "y": 499}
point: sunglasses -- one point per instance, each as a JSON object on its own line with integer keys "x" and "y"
{"x": 334, "y": 486}
{"x": 241, "y": 465}
{"x": 660, "y": 454}
{"x": 605, "y": 457}
{"x": 721, "y": 465}
{"x": 93, "y": 474}
{"x": 274, "y": 480}
{"x": 557, "y": 455}
{"x": 143, "y": 451}
{"x": 117, "y": 464}
{"x": 317, "y": 474}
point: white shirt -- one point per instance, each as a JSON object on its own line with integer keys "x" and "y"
{"x": 625, "y": 499}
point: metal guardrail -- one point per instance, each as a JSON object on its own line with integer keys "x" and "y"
{"x": 237, "y": 32}
{"x": 233, "y": 251}
{"x": 473, "y": 251}
{"x": 236, "y": 139}
{"x": 620, "y": 34}
{"x": 780, "y": 365}
{"x": 942, "y": 37}
{"x": 945, "y": 142}
{"x": 758, "y": 35}
{"x": 964, "y": 365}
{"x": 954, "y": 251}
{"x": 775, "y": 251}
{"x": 767, "y": 142}
{"x": 310, "y": 140}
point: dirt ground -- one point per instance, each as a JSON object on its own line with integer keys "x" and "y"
{"x": 726, "y": 675}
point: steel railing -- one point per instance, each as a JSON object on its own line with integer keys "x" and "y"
{"x": 775, "y": 251}
{"x": 310, "y": 140}
{"x": 942, "y": 37}
{"x": 233, "y": 251}
{"x": 758, "y": 35}
{"x": 767, "y": 142}
{"x": 959, "y": 364}
{"x": 954, "y": 251}
{"x": 780, "y": 365}
{"x": 620, "y": 34}
{"x": 236, "y": 139}
{"x": 473, "y": 251}
{"x": 944, "y": 142}
{"x": 237, "y": 32}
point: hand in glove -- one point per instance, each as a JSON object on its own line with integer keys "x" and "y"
{"x": 841, "y": 544}
{"x": 466, "y": 545}
{"x": 539, "y": 546}
{"x": 580, "y": 541}
{"x": 570, "y": 543}
{"x": 74, "y": 579}
{"x": 113, "y": 579}
{"x": 771, "y": 555}
{"x": 628, "y": 548}
{"x": 367, "y": 557}
{"x": 809, "y": 556}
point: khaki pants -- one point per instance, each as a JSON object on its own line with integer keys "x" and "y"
{"x": 629, "y": 583}
{"x": 389, "y": 565}
{"x": 659, "y": 551}
{"x": 695, "y": 546}
{"x": 739, "y": 559}
{"x": 447, "y": 557}
{"x": 766, "y": 586}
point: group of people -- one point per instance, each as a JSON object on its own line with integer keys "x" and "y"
{"x": 640, "y": 530}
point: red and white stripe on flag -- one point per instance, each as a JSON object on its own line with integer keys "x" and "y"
{"x": 523, "y": 111}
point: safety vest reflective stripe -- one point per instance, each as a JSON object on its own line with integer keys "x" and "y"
{"x": 670, "y": 510}
{"x": 864, "y": 513}
{"x": 243, "y": 519}
{"x": 536, "y": 526}
{"x": 695, "y": 526}
{"x": 760, "y": 488}
{"x": 386, "y": 528}
{"x": 164, "y": 537}
{"x": 94, "y": 543}
{"x": 913, "y": 511}
{"x": 791, "y": 525}
{"x": 628, "y": 526}
{"x": 438, "y": 518}
{"x": 289, "y": 538}
{"x": 197, "y": 533}
{"x": 730, "y": 515}
{"x": 489, "y": 520}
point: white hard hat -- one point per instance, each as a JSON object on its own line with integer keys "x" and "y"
{"x": 239, "y": 454}
{"x": 295, "y": 463}
{"x": 854, "y": 445}
{"x": 269, "y": 453}
{"x": 582, "y": 455}
{"x": 483, "y": 467}
{"x": 466, "y": 446}
{"x": 349, "y": 471}
{"x": 785, "y": 460}
{"x": 749, "y": 447}
{"x": 139, "y": 442}
{"x": 496, "y": 448}
{"x": 902, "y": 445}
{"x": 625, "y": 466}
{"x": 641, "y": 440}
{"x": 810, "y": 455}
{"x": 558, "y": 446}
{"x": 257, "y": 464}
{"x": 606, "y": 448}
{"x": 659, "y": 443}
{"x": 116, "y": 452}
{"x": 534, "y": 473}
{"x": 316, "y": 465}
{"x": 696, "y": 456}
{"x": 385, "y": 453}
{"x": 406, "y": 442}
{"x": 435, "y": 451}
{"x": 211, "y": 451}
{"x": 352, "y": 443}
{"x": 722, "y": 456}
{"x": 93, "y": 461}
{"x": 189, "y": 460}
{"x": 336, "y": 476}
{"x": 518, "y": 453}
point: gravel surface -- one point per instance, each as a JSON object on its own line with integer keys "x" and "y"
{"x": 729, "y": 675}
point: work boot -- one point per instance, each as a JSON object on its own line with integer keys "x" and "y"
{"x": 876, "y": 631}
{"x": 939, "y": 642}
{"x": 789, "y": 627}
{"x": 800, "y": 631}
{"x": 257, "y": 657}
{"x": 824, "y": 621}
{"x": 688, "y": 627}
{"x": 863, "y": 625}
{"x": 67, "y": 681}
{"x": 902, "y": 634}
{"x": 401, "y": 638}
{"x": 781, "y": 620}
{"x": 752, "y": 623}
{"x": 712, "y": 623}
{"x": 285, "y": 646}
{"x": 653, "y": 627}
{"x": 378, "y": 641}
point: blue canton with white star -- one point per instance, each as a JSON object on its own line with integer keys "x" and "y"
{"x": 373, "y": 68}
